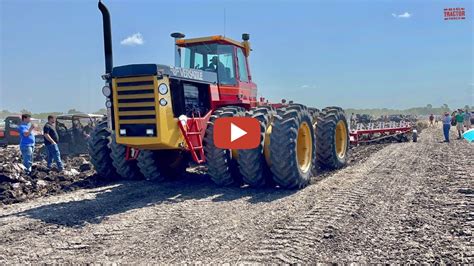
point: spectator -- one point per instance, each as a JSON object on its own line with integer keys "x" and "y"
{"x": 453, "y": 118}
{"x": 460, "y": 123}
{"x": 88, "y": 130}
{"x": 436, "y": 119}
{"x": 51, "y": 139}
{"x": 27, "y": 141}
{"x": 77, "y": 130}
{"x": 431, "y": 120}
{"x": 353, "y": 123}
{"x": 467, "y": 119}
{"x": 446, "y": 126}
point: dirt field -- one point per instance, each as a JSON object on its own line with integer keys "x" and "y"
{"x": 404, "y": 202}
{"x": 16, "y": 186}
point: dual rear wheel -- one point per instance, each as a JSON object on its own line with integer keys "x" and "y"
{"x": 295, "y": 141}
{"x": 292, "y": 147}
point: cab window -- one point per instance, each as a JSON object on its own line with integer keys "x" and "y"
{"x": 198, "y": 61}
{"x": 211, "y": 57}
{"x": 225, "y": 71}
{"x": 243, "y": 73}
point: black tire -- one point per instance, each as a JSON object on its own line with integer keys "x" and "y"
{"x": 283, "y": 147}
{"x": 252, "y": 164}
{"x": 314, "y": 112}
{"x": 99, "y": 150}
{"x": 162, "y": 164}
{"x": 221, "y": 167}
{"x": 326, "y": 153}
{"x": 127, "y": 169}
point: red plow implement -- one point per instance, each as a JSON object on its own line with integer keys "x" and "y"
{"x": 381, "y": 132}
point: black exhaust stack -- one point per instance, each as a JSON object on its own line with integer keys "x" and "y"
{"x": 109, "y": 64}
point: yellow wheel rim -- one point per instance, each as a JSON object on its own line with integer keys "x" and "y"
{"x": 234, "y": 154}
{"x": 304, "y": 147}
{"x": 266, "y": 145}
{"x": 341, "y": 139}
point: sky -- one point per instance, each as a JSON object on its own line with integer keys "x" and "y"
{"x": 352, "y": 53}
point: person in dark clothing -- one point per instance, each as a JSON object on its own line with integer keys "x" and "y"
{"x": 217, "y": 64}
{"x": 78, "y": 134}
{"x": 446, "y": 126}
{"x": 87, "y": 130}
{"x": 77, "y": 130}
{"x": 51, "y": 139}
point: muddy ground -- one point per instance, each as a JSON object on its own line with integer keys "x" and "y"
{"x": 16, "y": 186}
{"x": 404, "y": 202}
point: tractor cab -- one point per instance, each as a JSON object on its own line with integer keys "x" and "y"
{"x": 225, "y": 57}
{"x": 11, "y": 134}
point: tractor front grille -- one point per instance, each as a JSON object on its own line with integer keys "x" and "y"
{"x": 136, "y": 106}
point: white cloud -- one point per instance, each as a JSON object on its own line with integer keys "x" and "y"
{"x": 306, "y": 86}
{"x": 135, "y": 39}
{"x": 404, "y": 15}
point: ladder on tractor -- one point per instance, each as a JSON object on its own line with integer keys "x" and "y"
{"x": 191, "y": 130}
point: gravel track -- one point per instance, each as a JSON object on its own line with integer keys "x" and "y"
{"x": 404, "y": 202}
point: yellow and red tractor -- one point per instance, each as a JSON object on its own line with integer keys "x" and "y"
{"x": 160, "y": 117}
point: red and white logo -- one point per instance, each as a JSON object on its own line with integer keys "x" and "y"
{"x": 454, "y": 13}
{"x": 236, "y": 133}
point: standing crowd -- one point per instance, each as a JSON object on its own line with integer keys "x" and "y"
{"x": 461, "y": 119}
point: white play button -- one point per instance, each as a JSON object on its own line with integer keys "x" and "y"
{"x": 236, "y": 132}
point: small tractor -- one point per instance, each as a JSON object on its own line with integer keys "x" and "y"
{"x": 74, "y": 131}
{"x": 160, "y": 117}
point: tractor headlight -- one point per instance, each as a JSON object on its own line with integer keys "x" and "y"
{"x": 163, "y": 89}
{"x": 150, "y": 132}
{"x": 183, "y": 119}
{"x": 106, "y": 91}
{"x": 123, "y": 132}
{"x": 108, "y": 104}
{"x": 163, "y": 102}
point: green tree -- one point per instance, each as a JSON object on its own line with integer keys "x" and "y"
{"x": 101, "y": 111}
{"x": 73, "y": 111}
